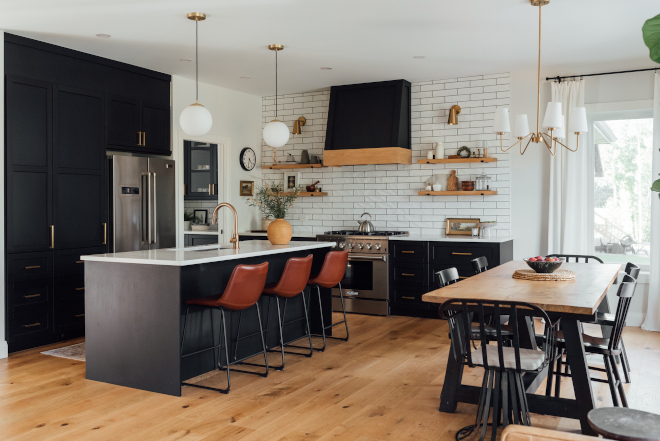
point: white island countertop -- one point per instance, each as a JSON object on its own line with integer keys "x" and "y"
{"x": 451, "y": 238}
{"x": 204, "y": 254}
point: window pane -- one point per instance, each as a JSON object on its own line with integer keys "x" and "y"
{"x": 622, "y": 195}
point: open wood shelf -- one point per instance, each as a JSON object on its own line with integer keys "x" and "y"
{"x": 313, "y": 193}
{"x": 458, "y": 193}
{"x": 455, "y": 161}
{"x": 287, "y": 166}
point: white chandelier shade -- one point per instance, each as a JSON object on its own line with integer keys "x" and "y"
{"x": 521, "y": 127}
{"x": 578, "y": 120}
{"x": 501, "y": 123}
{"x": 553, "y": 116}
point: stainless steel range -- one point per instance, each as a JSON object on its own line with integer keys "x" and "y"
{"x": 366, "y": 281}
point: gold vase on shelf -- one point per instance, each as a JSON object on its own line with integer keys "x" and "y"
{"x": 279, "y": 232}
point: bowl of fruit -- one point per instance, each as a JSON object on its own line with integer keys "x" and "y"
{"x": 544, "y": 265}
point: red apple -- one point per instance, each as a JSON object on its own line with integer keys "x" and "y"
{"x": 539, "y": 257}
{"x": 549, "y": 259}
{"x": 532, "y": 259}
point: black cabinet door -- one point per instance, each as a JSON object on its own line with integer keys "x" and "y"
{"x": 29, "y": 148}
{"x": 79, "y": 212}
{"x": 156, "y": 128}
{"x": 123, "y": 123}
{"x": 200, "y": 171}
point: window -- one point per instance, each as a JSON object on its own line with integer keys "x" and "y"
{"x": 621, "y": 190}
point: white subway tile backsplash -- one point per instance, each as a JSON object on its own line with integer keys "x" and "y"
{"x": 389, "y": 191}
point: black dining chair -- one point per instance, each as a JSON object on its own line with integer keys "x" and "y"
{"x": 609, "y": 348}
{"x": 447, "y": 277}
{"x": 480, "y": 264}
{"x": 576, "y": 257}
{"x": 503, "y": 365}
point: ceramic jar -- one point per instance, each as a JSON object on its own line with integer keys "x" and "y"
{"x": 279, "y": 232}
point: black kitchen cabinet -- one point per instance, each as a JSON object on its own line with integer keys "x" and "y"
{"x": 195, "y": 240}
{"x": 29, "y": 114}
{"x": 63, "y": 109}
{"x": 137, "y": 126}
{"x": 414, "y": 263}
{"x": 200, "y": 171}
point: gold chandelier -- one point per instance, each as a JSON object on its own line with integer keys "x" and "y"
{"x": 553, "y": 120}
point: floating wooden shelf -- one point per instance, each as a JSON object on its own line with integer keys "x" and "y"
{"x": 286, "y": 166}
{"x": 312, "y": 193}
{"x": 458, "y": 193}
{"x": 455, "y": 161}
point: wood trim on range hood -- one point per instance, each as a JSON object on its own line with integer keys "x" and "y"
{"x": 380, "y": 155}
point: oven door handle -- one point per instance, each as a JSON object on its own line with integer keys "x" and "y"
{"x": 383, "y": 258}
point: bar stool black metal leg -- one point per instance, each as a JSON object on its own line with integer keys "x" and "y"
{"x": 226, "y": 345}
{"x": 215, "y": 355}
{"x": 318, "y": 290}
{"x": 263, "y": 342}
{"x": 309, "y": 333}
{"x": 238, "y": 333}
{"x": 343, "y": 310}
{"x": 279, "y": 322}
{"x": 323, "y": 327}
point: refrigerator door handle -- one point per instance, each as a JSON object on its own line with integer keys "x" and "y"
{"x": 154, "y": 219}
{"x": 145, "y": 204}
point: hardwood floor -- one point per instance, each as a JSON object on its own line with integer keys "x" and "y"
{"x": 383, "y": 384}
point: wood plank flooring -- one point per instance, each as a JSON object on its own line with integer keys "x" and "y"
{"x": 383, "y": 384}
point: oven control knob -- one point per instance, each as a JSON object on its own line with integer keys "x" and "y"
{"x": 360, "y": 245}
{"x": 342, "y": 245}
{"x": 377, "y": 246}
{"x": 368, "y": 246}
{"x": 351, "y": 245}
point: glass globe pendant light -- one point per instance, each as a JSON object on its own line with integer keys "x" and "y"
{"x": 276, "y": 133}
{"x": 195, "y": 119}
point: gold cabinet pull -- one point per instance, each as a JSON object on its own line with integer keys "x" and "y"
{"x": 407, "y": 275}
{"x": 81, "y": 261}
{"x": 463, "y": 277}
{"x": 462, "y": 254}
{"x": 408, "y": 252}
{"x": 144, "y": 139}
{"x": 79, "y": 315}
{"x": 33, "y": 267}
{"x": 31, "y": 325}
{"x": 32, "y": 296}
{"x": 105, "y": 235}
{"x": 139, "y": 138}
{"x": 80, "y": 289}
{"x": 407, "y": 298}
{"x": 52, "y": 236}
{"x": 210, "y": 193}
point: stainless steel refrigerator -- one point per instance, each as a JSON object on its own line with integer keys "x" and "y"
{"x": 144, "y": 216}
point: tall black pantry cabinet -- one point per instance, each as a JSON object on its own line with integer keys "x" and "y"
{"x": 56, "y": 200}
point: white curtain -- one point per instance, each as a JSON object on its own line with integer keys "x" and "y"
{"x": 568, "y": 227}
{"x": 652, "y": 321}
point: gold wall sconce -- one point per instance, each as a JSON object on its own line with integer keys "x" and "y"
{"x": 297, "y": 125}
{"x": 453, "y": 114}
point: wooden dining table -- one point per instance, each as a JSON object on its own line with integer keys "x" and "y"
{"x": 573, "y": 301}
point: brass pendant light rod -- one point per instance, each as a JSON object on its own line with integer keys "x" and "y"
{"x": 276, "y": 48}
{"x": 196, "y": 17}
{"x": 538, "y": 85}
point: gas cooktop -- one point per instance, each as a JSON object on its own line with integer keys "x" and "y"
{"x": 360, "y": 233}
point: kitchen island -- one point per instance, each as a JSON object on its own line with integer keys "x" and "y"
{"x": 134, "y": 308}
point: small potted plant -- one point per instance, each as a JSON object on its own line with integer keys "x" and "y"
{"x": 273, "y": 202}
{"x": 187, "y": 218}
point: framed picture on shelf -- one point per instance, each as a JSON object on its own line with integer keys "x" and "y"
{"x": 291, "y": 180}
{"x": 247, "y": 188}
{"x": 201, "y": 216}
{"x": 461, "y": 227}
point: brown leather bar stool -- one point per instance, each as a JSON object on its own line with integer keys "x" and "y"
{"x": 242, "y": 292}
{"x": 331, "y": 274}
{"x": 292, "y": 283}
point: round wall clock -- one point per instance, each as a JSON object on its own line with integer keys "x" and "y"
{"x": 248, "y": 159}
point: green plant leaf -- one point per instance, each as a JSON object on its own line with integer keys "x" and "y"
{"x": 656, "y": 186}
{"x": 651, "y": 34}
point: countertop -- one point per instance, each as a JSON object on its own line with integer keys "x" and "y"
{"x": 204, "y": 254}
{"x": 309, "y": 235}
{"x": 213, "y": 232}
{"x": 457, "y": 238}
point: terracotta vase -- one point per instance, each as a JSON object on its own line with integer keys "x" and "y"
{"x": 265, "y": 222}
{"x": 279, "y": 232}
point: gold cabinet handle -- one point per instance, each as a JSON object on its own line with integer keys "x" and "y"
{"x": 33, "y": 267}
{"x": 408, "y": 252}
{"x": 210, "y": 192}
{"x": 407, "y": 298}
{"x": 31, "y": 325}
{"x": 407, "y": 275}
{"x": 184, "y": 189}
{"x": 79, "y": 315}
{"x": 144, "y": 139}
{"x": 80, "y": 289}
{"x": 139, "y": 138}
{"x": 105, "y": 236}
{"x": 32, "y": 296}
{"x": 82, "y": 261}
{"x": 52, "y": 236}
{"x": 462, "y": 254}
{"x": 463, "y": 277}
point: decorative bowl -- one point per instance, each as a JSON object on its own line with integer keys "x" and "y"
{"x": 544, "y": 267}
{"x": 467, "y": 185}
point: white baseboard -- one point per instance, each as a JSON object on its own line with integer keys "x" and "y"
{"x": 4, "y": 349}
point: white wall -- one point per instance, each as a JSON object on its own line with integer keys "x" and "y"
{"x": 3, "y": 342}
{"x": 236, "y": 116}
{"x": 390, "y": 192}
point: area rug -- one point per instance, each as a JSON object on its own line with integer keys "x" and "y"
{"x": 74, "y": 352}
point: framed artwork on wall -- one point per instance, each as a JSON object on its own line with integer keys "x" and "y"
{"x": 201, "y": 215}
{"x": 247, "y": 188}
{"x": 461, "y": 227}
{"x": 291, "y": 181}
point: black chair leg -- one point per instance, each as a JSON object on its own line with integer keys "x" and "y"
{"x": 238, "y": 333}
{"x": 560, "y": 359}
{"x": 226, "y": 346}
{"x": 279, "y": 322}
{"x": 318, "y": 289}
{"x": 323, "y": 327}
{"x": 624, "y": 363}
{"x": 610, "y": 381}
{"x": 497, "y": 387}
{"x": 551, "y": 375}
{"x": 619, "y": 383}
{"x": 263, "y": 341}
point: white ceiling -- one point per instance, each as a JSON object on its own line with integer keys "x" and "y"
{"x": 362, "y": 40}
